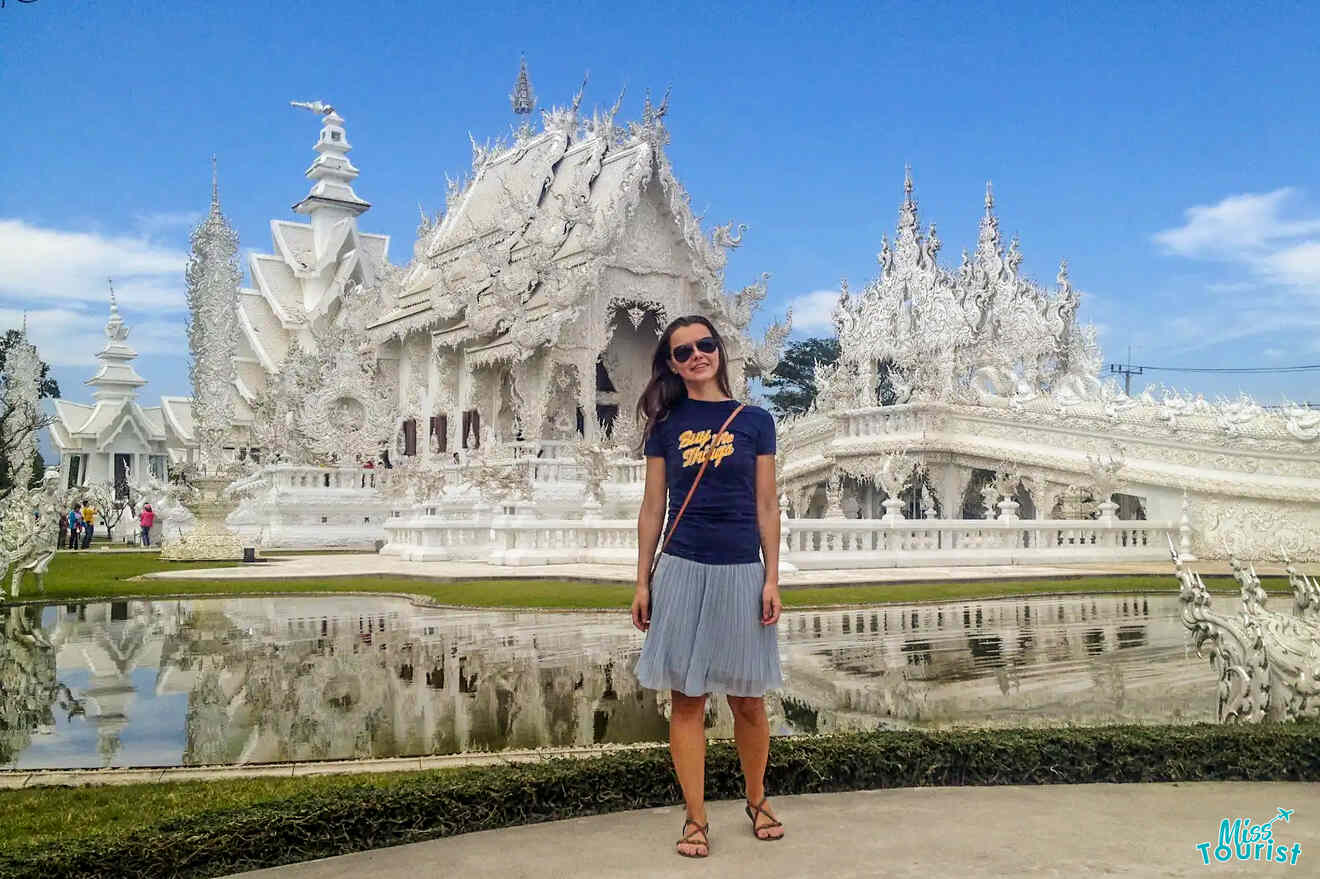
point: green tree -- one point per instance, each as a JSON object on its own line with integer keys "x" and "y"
{"x": 791, "y": 387}
{"x": 48, "y": 387}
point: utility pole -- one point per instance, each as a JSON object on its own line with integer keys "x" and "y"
{"x": 1127, "y": 370}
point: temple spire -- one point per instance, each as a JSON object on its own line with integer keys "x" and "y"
{"x": 331, "y": 173}
{"x": 115, "y": 379}
{"x": 989, "y": 246}
{"x": 215, "y": 186}
{"x": 522, "y": 98}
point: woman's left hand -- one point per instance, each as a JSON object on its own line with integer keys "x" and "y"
{"x": 770, "y": 604}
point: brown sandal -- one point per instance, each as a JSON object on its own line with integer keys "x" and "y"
{"x": 688, "y": 838}
{"x": 753, "y": 811}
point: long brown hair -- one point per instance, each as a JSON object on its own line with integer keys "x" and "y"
{"x": 666, "y": 389}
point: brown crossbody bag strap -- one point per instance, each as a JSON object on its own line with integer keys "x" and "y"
{"x": 695, "y": 481}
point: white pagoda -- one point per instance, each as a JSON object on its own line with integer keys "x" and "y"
{"x": 115, "y": 438}
{"x": 299, "y": 289}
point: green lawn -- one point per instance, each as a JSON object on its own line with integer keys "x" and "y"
{"x": 74, "y": 576}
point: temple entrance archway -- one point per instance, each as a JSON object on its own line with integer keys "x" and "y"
{"x": 624, "y": 367}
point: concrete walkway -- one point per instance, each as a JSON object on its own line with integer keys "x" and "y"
{"x": 371, "y": 564}
{"x": 1139, "y": 830}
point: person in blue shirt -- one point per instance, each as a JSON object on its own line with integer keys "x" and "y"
{"x": 710, "y": 613}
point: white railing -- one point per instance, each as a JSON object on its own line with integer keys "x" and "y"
{"x": 294, "y": 476}
{"x": 509, "y": 540}
{"x": 873, "y": 543}
{"x": 881, "y": 420}
{"x": 818, "y": 544}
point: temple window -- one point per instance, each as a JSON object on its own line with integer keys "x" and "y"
{"x": 439, "y": 433}
{"x": 472, "y": 425}
{"x": 410, "y": 436}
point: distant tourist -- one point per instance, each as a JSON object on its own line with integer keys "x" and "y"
{"x": 64, "y": 532}
{"x": 89, "y": 523}
{"x": 715, "y": 591}
{"x": 146, "y": 519}
{"x": 75, "y": 526}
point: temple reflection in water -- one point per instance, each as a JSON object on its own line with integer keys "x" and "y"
{"x": 258, "y": 680}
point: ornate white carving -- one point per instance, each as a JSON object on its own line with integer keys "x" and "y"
{"x": 1268, "y": 662}
{"x": 982, "y": 333}
{"x": 28, "y": 542}
{"x": 213, "y": 278}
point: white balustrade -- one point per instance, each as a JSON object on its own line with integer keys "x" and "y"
{"x": 882, "y": 420}
{"x": 812, "y": 544}
{"x": 822, "y": 544}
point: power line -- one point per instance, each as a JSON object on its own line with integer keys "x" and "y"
{"x": 1256, "y": 370}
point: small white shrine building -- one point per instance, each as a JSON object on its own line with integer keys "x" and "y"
{"x": 115, "y": 437}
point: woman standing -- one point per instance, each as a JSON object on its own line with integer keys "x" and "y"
{"x": 146, "y": 519}
{"x": 711, "y": 609}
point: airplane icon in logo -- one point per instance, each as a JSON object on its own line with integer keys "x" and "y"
{"x": 1285, "y": 814}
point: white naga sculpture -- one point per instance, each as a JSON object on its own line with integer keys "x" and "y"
{"x": 1268, "y": 663}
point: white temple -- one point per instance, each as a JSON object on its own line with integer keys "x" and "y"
{"x": 525, "y": 319}
{"x": 494, "y": 374}
{"x": 115, "y": 438}
{"x": 989, "y": 383}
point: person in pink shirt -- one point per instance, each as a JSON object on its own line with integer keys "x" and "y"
{"x": 146, "y": 519}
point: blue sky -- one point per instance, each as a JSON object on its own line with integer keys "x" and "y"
{"x": 1168, "y": 151}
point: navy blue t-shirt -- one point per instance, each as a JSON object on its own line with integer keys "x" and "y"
{"x": 719, "y": 525}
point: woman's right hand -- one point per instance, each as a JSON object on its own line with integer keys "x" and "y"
{"x": 641, "y": 608}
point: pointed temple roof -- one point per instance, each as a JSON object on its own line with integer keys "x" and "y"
{"x": 522, "y": 98}
{"x": 331, "y": 173}
{"x": 116, "y": 379}
{"x": 80, "y": 427}
{"x": 312, "y": 263}
{"x": 553, "y": 202}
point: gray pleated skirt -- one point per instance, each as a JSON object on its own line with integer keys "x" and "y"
{"x": 706, "y": 634}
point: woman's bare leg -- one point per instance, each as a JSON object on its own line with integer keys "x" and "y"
{"x": 687, "y": 745}
{"x": 751, "y": 733}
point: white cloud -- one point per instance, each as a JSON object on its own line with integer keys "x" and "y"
{"x": 42, "y": 267}
{"x": 1252, "y": 231}
{"x": 812, "y": 311}
{"x": 1239, "y": 226}
{"x": 1298, "y": 265}
{"x": 72, "y": 336}
{"x": 1268, "y": 245}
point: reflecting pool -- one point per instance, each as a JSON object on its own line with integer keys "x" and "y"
{"x": 252, "y": 680}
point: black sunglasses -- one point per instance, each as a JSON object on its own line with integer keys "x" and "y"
{"x": 705, "y": 346}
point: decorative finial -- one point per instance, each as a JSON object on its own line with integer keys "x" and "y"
{"x": 907, "y": 180}
{"x": 114, "y": 306}
{"x": 523, "y": 99}
{"x": 989, "y": 197}
{"x": 318, "y": 107}
{"x": 577, "y": 98}
{"x": 215, "y": 185}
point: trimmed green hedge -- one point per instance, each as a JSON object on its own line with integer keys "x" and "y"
{"x": 426, "y": 805}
